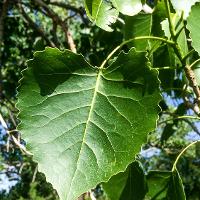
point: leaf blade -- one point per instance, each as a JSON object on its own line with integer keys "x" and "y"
{"x": 65, "y": 126}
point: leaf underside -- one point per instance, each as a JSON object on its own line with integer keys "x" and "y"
{"x": 104, "y": 13}
{"x": 183, "y": 6}
{"x": 84, "y": 124}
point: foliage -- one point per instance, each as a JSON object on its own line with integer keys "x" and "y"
{"x": 85, "y": 117}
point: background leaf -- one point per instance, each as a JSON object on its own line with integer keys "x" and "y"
{"x": 177, "y": 24}
{"x": 128, "y": 7}
{"x": 193, "y": 26}
{"x": 139, "y": 25}
{"x": 157, "y": 184}
{"x": 73, "y": 116}
{"x": 183, "y": 6}
{"x": 175, "y": 188}
{"x": 102, "y": 13}
{"x": 105, "y": 12}
{"x": 129, "y": 185}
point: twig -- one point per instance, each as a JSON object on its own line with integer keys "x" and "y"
{"x": 34, "y": 174}
{"x": 195, "y": 129}
{"x": 21, "y": 147}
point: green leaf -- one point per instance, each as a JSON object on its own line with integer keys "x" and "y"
{"x": 139, "y": 25}
{"x": 193, "y": 26}
{"x": 159, "y": 15}
{"x": 84, "y": 124}
{"x": 183, "y": 6}
{"x": 105, "y": 12}
{"x": 175, "y": 187}
{"x": 168, "y": 131}
{"x": 136, "y": 186}
{"x": 102, "y": 13}
{"x": 162, "y": 57}
{"x": 157, "y": 184}
{"x": 129, "y": 185}
{"x": 165, "y": 185}
{"x": 115, "y": 186}
{"x": 128, "y": 7}
{"x": 182, "y": 40}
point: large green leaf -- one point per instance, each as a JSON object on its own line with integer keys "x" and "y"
{"x": 129, "y": 185}
{"x": 194, "y": 27}
{"x": 139, "y": 25}
{"x": 102, "y": 13}
{"x": 128, "y": 7}
{"x": 84, "y": 124}
{"x": 183, "y": 6}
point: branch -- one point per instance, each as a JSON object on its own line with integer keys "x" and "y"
{"x": 195, "y": 129}
{"x": 55, "y": 18}
{"x": 193, "y": 82}
{"x": 34, "y": 26}
{"x": 79, "y": 11}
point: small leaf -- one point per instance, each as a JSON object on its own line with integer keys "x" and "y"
{"x": 162, "y": 57}
{"x": 165, "y": 185}
{"x": 193, "y": 26}
{"x": 175, "y": 187}
{"x": 182, "y": 40}
{"x": 136, "y": 186}
{"x": 105, "y": 12}
{"x": 115, "y": 186}
{"x": 84, "y": 124}
{"x": 102, "y": 13}
{"x": 159, "y": 15}
{"x": 183, "y": 6}
{"x": 129, "y": 185}
{"x": 157, "y": 184}
{"x": 128, "y": 7}
{"x": 139, "y": 25}
{"x": 167, "y": 132}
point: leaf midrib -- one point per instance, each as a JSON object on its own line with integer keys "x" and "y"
{"x": 96, "y": 16}
{"x": 86, "y": 125}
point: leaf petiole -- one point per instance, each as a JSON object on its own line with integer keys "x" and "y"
{"x": 133, "y": 39}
